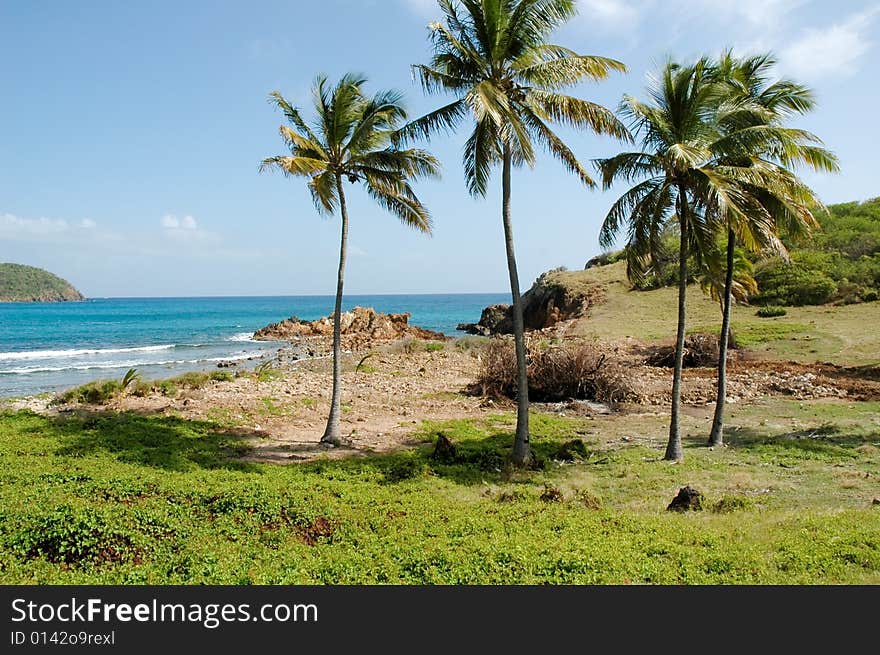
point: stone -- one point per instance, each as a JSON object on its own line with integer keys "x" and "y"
{"x": 687, "y": 499}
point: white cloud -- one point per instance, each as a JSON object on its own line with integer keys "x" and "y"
{"x": 49, "y": 230}
{"x": 13, "y": 227}
{"x": 185, "y": 228}
{"x": 758, "y": 12}
{"x": 834, "y": 50}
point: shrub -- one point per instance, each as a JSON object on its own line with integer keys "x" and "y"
{"x": 568, "y": 371}
{"x": 771, "y": 311}
{"x": 266, "y": 372}
{"x": 94, "y": 393}
{"x": 798, "y": 283}
{"x": 728, "y": 504}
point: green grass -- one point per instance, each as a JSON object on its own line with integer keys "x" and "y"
{"x": 754, "y": 334}
{"x": 124, "y": 498}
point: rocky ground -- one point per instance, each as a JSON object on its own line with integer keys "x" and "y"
{"x": 390, "y": 389}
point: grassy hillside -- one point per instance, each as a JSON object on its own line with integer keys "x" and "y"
{"x": 19, "y": 283}
{"x": 835, "y": 334}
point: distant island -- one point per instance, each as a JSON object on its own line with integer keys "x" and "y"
{"x": 20, "y": 283}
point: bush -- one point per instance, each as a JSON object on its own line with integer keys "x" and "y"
{"x": 771, "y": 311}
{"x": 94, "y": 393}
{"x": 569, "y": 371}
{"x": 793, "y": 284}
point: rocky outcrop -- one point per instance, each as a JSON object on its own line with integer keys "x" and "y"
{"x": 362, "y": 324}
{"x": 558, "y": 295}
{"x": 495, "y": 319}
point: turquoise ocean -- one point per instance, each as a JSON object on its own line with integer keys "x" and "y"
{"x": 46, "y": 347}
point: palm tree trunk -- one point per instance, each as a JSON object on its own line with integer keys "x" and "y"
{"x": 331, "y": 433}
{"x": 716, "y": 437}
{"x": 673, "y": 447}
{"x": 522, "y": 453}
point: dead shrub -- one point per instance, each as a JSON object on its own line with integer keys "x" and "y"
{"x": 578, "y": 371}
{"x": 700, "y": 350}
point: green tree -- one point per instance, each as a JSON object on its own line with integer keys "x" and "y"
{"x": 760, "y": 138}
{"x": 351, "y": 140}
{"x": 493, "y": 57}
{"x": 683, "y": 174}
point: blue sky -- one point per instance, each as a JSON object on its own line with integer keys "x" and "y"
{"x": 130, "y": 135}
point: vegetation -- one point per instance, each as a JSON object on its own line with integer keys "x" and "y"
{"x": 838, "y": 264}
{"x": 771, "y": 311}
{"x": 679, "y": 173}
{"x": 780, "y": 200}
{"x": 102, "y": 392}
{"x": 557, "y": 372}
{"x": 128, "y": 499}
{"x": 352, "y": 142}
{"x": 19, "y": 283}
{"x": 493, "y": 56}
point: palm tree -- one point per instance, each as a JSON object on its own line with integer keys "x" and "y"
{"x": 784, "y": 202}
{"x": 492, "y": 55}
{"x": 351, "y": 140}
{"x": 687, "y": 180}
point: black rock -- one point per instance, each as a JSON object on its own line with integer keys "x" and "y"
{"x": 688, "y": 499}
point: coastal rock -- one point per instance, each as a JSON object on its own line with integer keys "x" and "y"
{"x": 495, "y": 319}
{"x": 556, "y": 296}
{"x": 364, "y": 324}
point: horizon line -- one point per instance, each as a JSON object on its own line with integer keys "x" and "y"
{"x": 298, "y": 295}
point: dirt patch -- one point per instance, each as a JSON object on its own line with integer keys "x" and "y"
{"x": 317, "y": 530}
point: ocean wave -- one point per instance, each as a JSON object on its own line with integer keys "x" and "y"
{"x": 126, "y": 364}
{"x": 242, "y": 336}
{"x": 57, "y": 354}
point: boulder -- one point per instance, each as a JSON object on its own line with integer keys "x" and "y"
{"x": 687, "y": 499}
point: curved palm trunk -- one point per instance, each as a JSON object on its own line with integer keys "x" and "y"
{"x": 716, "y": 437}
{"x": 522, "y": 452}
{"x": 331, "y": 433}
{"x": 673, "y": 447}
